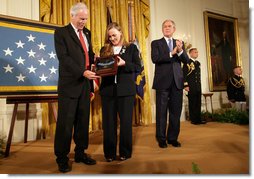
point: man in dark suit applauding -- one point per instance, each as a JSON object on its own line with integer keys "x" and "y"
{"x": 75, "y": 54}
{"x": 167, "y": 55}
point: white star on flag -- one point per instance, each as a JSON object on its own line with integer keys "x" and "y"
{"x": 43, "y": 78}
{"x": 20, "y": 60}
{"x": 42, "y": 62}
{"x": 41, "y": 46}
{"x": 21, "y": 77}
{"x": 52, "y": 70}
{"x": 8, "y": 68}
{"x": 8, "y": 51}
{"x": 31, "y": 69}
{"x": 52, "y": 55}
{"x": 20, "y": 44}
{"x": 30, "y": 38}
{"x": 31, "y": 53}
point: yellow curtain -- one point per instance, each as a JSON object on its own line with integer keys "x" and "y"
{"x": 57, "y": 12}
{"x": 142, "y": 21}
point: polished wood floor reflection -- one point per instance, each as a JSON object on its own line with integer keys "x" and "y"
{"x": 216, "y": 148}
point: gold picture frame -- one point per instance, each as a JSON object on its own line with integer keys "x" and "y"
{"x": 222, "y": 48}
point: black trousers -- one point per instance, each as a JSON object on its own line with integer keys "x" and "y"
{"x": 194, "y": 100}
{"x": 168, "y": 100}
{"x": 111, "y": 107}
{"x": 73, "y": 118}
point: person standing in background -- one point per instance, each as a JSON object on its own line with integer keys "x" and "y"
{"x": 167, "y": 54}
{"x": 192, "y": 85}
{"x": 118, "y": 93}
{"x": 74, "y": 51}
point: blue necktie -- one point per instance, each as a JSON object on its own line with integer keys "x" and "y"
{"x": 169, "y": 45}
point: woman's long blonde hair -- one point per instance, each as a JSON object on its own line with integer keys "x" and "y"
{"x": 108, "y": 46}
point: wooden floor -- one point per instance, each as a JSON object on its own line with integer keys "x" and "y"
{"x": 216, "y": 148}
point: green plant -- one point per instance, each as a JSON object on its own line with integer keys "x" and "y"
{"x": 195, "y": 168}
{"x": 206, "y": 116}
{"x": 228, "y": 116}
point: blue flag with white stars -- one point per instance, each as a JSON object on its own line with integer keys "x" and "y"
{"x": 27, "y": 59}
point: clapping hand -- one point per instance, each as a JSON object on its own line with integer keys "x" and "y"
{"x": 179, "y": 45}
{"x": 178, "y": 48}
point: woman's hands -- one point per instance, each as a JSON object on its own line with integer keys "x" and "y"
{"x": 120, "y": 62}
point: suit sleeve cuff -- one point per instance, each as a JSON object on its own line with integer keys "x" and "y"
{"x": 170, "y": 55}
{"x": 180, "y": 53}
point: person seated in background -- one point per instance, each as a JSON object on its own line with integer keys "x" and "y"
{"x": 236, "y": 89}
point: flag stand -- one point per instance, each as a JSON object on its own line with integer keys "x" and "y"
{"x": 27, "y": 99}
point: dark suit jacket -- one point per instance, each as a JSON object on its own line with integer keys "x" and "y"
{"x": 71, "y": 61}
{"x": 167, "y": 68}
{"x": 125, "y": 74}
{"x": 191, "y": 72}
{"x": 236, "y": 88}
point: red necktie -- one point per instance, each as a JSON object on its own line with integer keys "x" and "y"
{"x": 84, "y": 47}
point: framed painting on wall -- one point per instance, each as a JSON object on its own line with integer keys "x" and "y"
{"x": 222, "y": 48}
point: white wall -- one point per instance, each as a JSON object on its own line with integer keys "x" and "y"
{"x": 188, "y": 16}
{"x": 28, "y": 9}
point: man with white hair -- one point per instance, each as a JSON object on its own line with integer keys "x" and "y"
{"x": 74, "y": 51}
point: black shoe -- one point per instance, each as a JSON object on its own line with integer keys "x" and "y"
{"x": 174, "y": 143}
{"x": 123, "y": 158}
{"x": 86, "y": 160}
{"x": 195, "y": 123}
{"x": 163, "y": 144}
{"x": 110, "y": 159}
{"x": 64, "y": 167}
{"x": 198, "y": 123}
{"x": 203, "y": 122}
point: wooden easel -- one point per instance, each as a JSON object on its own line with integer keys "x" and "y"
{"x": 27, "y": 99}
